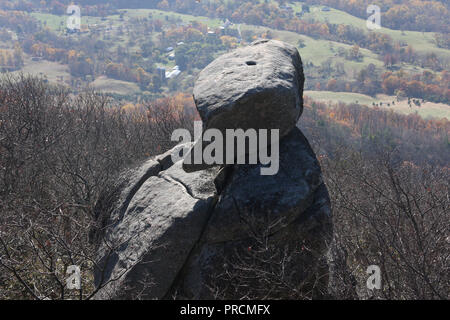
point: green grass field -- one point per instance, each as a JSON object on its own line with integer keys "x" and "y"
{"x": 426, "y": 110}
{"x": 51, "y": 70}
{"x": 315, "y": 50}
{"x": 106, "y": 84}
{"x": 345, "y": 97}
{"x": 58, "y": 23}
{"x": 421, "y": 41}
{"x": 185, "y": 18}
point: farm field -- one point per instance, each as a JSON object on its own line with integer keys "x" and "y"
{"x": 185, "y": 18}
{"x": 426, "y": 110}
{"x": 109, "y": 85}
{"x": 421, "y": 41}
{"x": 52, "y": 71}
{"x": 317, "y": 50}
{"x": 314, "y": 52}
{"x": 58, "y": 22}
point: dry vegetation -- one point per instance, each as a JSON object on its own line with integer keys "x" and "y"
{"x": 387, "y": 175}
{"x": 57, "y": 152}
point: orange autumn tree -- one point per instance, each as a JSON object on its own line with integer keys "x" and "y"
{"x": 178, "y": 106}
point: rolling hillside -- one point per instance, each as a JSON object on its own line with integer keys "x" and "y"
{"x": 117, "y": 33}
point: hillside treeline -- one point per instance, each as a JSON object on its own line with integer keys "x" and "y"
{"x": 415, "y": 15}
{"x": 89, "y": 57}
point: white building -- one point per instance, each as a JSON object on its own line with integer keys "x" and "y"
{"x": 174, "y": 73}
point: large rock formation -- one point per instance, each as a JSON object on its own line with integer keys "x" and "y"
{"x": 224, "y": 231}
{"x": 259, "y": 87}
{"x": 255, "y": 87}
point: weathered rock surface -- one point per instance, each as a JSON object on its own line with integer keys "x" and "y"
{"x": 259, "y": 86}
{"x": 256, "y": 87}
{"x": 286, "y": 211}
{"x": 223, "y": 232}
{"x": 263, "y": 201}
{"x": 176, "y": 234}
{"x": 152, "y": 234}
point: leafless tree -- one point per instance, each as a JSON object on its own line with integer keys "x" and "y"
{"x": 393, "y": 214}
{"x": 57, "y": 153}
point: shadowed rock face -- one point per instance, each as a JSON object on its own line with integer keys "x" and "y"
{"x": 224, "y": 232}
{"x": 271, "y": 215}
{"x": 281, "y": 197}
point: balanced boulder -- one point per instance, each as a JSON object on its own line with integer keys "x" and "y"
{"x": 255, "y": 87}
{"x": 167, "y": 230}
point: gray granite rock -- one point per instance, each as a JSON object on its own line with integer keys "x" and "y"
{"x": 199, "y": 231}
{"x": 255, "y": 87}
{"x": 149, "y": 238}
{"x": 286, "y": 212}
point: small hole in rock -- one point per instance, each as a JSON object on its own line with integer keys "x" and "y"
{"x": 251, "y": 63}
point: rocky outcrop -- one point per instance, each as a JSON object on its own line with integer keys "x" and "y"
{"x": 262, "y": 224}
{"x": 158, "y": 228}
{"x": 256, "y": 87}
{"x": 259, "y": 87}
{"x": 224, "y": 231}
